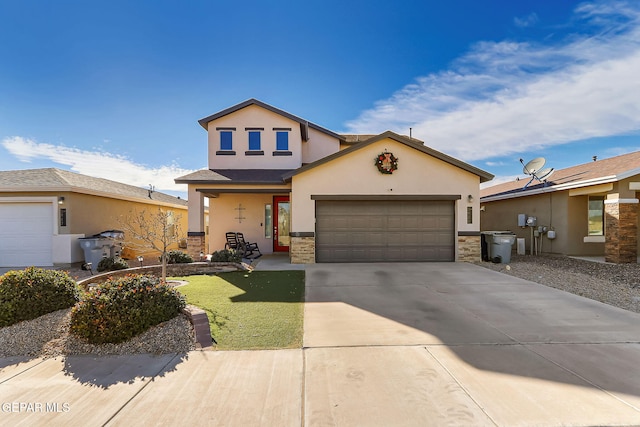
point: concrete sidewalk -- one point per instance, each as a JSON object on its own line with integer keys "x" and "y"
{"x": 384, "y": 344}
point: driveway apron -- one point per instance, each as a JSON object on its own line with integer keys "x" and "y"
{"x": 457, "y": 344}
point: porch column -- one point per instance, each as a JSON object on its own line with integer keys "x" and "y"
{"x": 195, "y": 233}
{"x": 621, "y": 231}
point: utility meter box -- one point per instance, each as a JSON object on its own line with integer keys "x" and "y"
{"x": 522, "y": 220}
{"x": 532, "y": 221}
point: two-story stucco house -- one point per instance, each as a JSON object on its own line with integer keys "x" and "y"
{"x": 293, "y": 186}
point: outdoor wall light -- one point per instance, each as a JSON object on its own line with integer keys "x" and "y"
{"x": 201, "y": 256}
{"x": 140, "y": 259}
{"x": 60, "y": 200}
{"x": 470, "y": 198}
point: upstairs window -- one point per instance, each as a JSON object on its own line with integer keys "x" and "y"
{"x": 226, "y": 140}
{"x": 596, "y": 215}
{"x": 282, "y": 141}
{"x": 254, "y": 140}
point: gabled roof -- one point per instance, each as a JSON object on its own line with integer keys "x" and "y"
{"x": 234, "y": 176}
{"x": 413, "y": 143}
{"x": 597, "y": 172}
{"x": 52, "y": 179}
{"x": 303, "y": 123}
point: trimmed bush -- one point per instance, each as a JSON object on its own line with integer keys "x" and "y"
{"x": 112, "y": 264}
{"x": 226, "y": 255}
{"x": 122, "y": 308}
{"x": 33, "y": 292}
{"x": 178, "y": 257}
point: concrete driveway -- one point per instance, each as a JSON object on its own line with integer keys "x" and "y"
{"x": 457, "y": 344}
{"x": 385, "y": 345}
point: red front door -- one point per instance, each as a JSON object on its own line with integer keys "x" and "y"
{"x": 281, "y": 218}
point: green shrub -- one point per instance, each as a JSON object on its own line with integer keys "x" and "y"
{"x": 122, "y": 308}
{"x": 112, "y": 264}
{"x": 226, "y": 255}
{"x": 33, "y": 292}
{"x": 178, "y": 257}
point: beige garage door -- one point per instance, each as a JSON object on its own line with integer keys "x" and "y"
{"x": 387, "y": 230}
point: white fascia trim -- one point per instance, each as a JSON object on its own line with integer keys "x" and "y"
{"x": 620, "y": 201}
{"x": 560, "y": 187}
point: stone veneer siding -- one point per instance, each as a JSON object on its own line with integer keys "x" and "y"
{"x": 195, "y": 245}
{"x": 621, "y": 232}
{"x": 302, "y": 249}
{"x": 469, "y": 248}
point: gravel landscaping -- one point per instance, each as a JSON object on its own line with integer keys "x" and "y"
{"x": 613, "y": 284}
{"x": 48, "y": 336}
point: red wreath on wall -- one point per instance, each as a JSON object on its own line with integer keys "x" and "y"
{"x": 386, "y": 163}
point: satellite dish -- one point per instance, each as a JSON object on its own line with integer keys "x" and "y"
{"x": 534, "y": 165}
{"x": 534, "y": 169}
{"x": 544, "y": 174}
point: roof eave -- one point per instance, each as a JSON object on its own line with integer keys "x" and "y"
{"x": 484, "y": 176}
{"x": 205, "y": 121}
{"x": 553, "y": 188}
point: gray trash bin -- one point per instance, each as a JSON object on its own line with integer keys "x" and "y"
{"x": 98, "y": 246}
{"x": 501, "y": 243}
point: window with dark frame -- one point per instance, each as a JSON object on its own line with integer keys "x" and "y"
{"x": 254, "y": 140}
{"x": 63, "y": 217}
{"x": 596, "y": 216}
{"x": 226, "y": 140}
{"x": 282, "y": 141}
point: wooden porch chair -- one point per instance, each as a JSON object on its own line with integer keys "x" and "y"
{"x": 232, "y": 241}
{"x": 249, "y": 250}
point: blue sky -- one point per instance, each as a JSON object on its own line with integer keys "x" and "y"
{"x": 114, "y": 89}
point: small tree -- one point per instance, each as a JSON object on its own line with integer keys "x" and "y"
{"x": 152, "y": 230}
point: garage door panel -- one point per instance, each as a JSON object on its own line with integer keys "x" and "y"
{"x": 26, "y": 234}
{"x": 378, "y": 231}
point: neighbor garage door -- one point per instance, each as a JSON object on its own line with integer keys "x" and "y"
{"x": 26, "y": 233}
{"x": 385, "y": 230}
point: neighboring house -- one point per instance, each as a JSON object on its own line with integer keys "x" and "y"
{"x": 592, "y": 209}
{"x": 43, "y": 213}
{"x": 293, "y": 186}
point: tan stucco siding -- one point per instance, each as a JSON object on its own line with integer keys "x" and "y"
{"x": 254, "y": 116}
{"x": 224, "y": 217}
{"x": 356, "y": 174}
{"x": 318, "y": 146}
{"x": 92, "y": 214}
{"x": 566, "y": 215}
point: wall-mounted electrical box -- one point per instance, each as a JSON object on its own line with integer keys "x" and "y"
{"x": 532, "y": 221}
{"x": 522, "y": 220}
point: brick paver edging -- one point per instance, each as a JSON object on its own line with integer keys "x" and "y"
{"x": 200, "y": 322}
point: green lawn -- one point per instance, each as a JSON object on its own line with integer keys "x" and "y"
{"x": 257, "y": 310}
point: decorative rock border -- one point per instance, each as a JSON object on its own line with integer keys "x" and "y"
{"x": 172, "y": 270}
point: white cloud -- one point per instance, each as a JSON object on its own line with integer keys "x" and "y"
{"x": 502, "y": 179}
{"x": 528, "y": 21}
{"x": 506, "y": 97}
{"x": 97, "y": 164}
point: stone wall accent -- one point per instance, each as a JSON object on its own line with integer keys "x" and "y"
{"x": 621, "y": 231}
{"x": 469, "y": 249}
{"x": 195, "y": 244}
{"x": 302, "y": 250}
